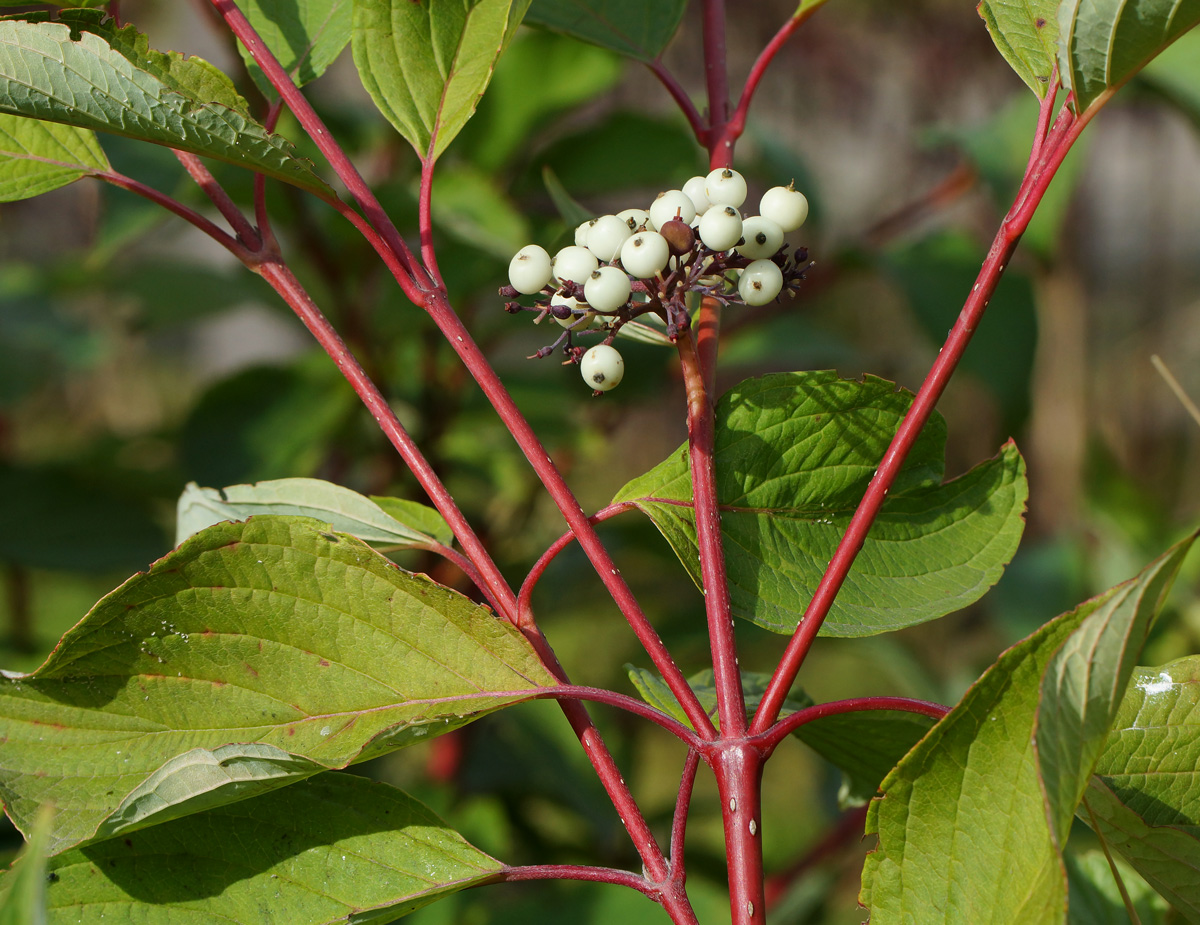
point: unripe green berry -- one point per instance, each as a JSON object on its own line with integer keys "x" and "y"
{"x": 720, "y": 228}
{"x": 725, "y": 187}
{"x": 606, "y": 237}
{"x": 645, "y": 254}
{"x": 636, "y": 219}
{"x": 529, "y": 269}
{"x": 574, "y": 263}
{"x": 602, "y": 368}
{"x": 785, "y": 206}
{"x": 607, "y": 289}
{"x": 761, "y": 237}
{"x": 760, "y": 282}
{"x": 694, "y": 190}
{"x": 672, "y": 204}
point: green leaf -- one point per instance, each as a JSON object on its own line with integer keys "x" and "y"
{"x": 345, "y": 510}
{"x": 1176, "y": 74}
{"x": 1084, "y": 684}
{"x": 305, "y": 35}
{"x": 1026, "y": 33}
{"x": 23, "y": 888}
{"x": 36, "y": 157}
{"x": 470, "y": 204}
{"x": 87, "y": 73}
{"x": 638, "y": 28}
{"x": 572, "y": 211}
{"x": 420, "y": 517}
{"x": 426, "y": 63}
{"x": 969, "y": 800}
{"x": 1095, "y": 899}
{"x": 1167, "y": 856}
{"x": 306, "y": 647}
{"x": 336, "y": 848}
{"x": 864, "y": 746}
{"x": 1102, "y": 43}
{"x": 794, "y": 454}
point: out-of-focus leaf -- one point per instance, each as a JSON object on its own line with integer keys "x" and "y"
{"x": 1102, "y": 43}
{"x": 59, "y": 518}
{"x": 794, "y": 454}
{"x": 1176, "y": 74}
{"x": 86, "y": 72}
{"x": 426, "y": 63}
{"x": 36, "y": 157}
{"x": 344, "y": 510}
{"x": 638, "y": 28}
{"x": 469, "y": 204}
{"x": 254, "y": 655}
{"x": 1095, "y": 899}
{"x": 23, "y": 888}
{"x": 980, "y": 771}
{"x": 305, "y": 35}
{"x": 572, "y": 212}
{"x": 1026, "y": 34}
{"x": 335, "y": 848}
{"x": 264, "y": 423}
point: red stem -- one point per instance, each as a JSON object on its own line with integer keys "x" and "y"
{"x": 738, "y": 768}
{"x": 425, "y": 218}
{"x": 1033, "y": 187}
{"x": 720, "y": 151}
{"x": 525, "y": 595}
{"x": 777, "y": 733}
{"x": 682, "y": 100}
{"x": 204, "y": 179}
{"x": 683, "y": 802}
{"x": 581, "y": 872}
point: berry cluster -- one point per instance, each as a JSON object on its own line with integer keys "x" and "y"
{"x": 647, "y": 262}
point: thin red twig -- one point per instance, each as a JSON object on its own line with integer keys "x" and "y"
{"x": 425, "y": 218}
{"x": 716, "y": 81}
{"x": 794, "y": 721}
{"x": 581, "y": 872}
{"x": 683, "y": 803}
{"x": 682, "y": 100}
{"x": 208, "y": 184}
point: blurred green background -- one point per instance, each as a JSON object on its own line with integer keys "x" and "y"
{"x": 135, "y": 357}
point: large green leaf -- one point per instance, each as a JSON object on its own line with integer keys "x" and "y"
{"x": 426, "y": 63}
{"x": 86, "y": 72}
{"x": 863, "y": 745}
{"x": 305, "y": 35}
{"x": 253, "y": 655}
{"x": 970, "y": 801}
{"x": 1026, "y": 33}
{"x": 336, "y": 848}
{"x": 1102, "y": 43}
{"x": 794, "y": 454}
{"x": 638, "y": 28}
{"x": 36, "y": 157}
{"x": 344, "y": 510}
{"x": 1084, "y": 685}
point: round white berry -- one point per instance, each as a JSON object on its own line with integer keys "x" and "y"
{"x": 694, "y": 190}
{"x": 635, "y": 218}
{"x": 761, "y": 237}
{"x": 720, "y": 228}
{"x": 529, "y": 269}
{"x": 581, "y": 232}
{"x": 760, "y": 282}
{"x": 645, "y": 254}
{"x": 785, "y": 206}
{"x": 576, "y": 308}
{"x": 602, "y": 368}
{"x": 606, "y": 237}
{"x": 573, "y": 263}
{"x": 607, "y": 289}
{"x": 674, "y": 203}
{"x": 725, "y": 187}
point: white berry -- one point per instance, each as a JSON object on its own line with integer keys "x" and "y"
{"x": 572, "y": 303}
{"x": 785, "y": 206}
{"x": 573, "y": 263}
{"x": 694, "y": 190}
{"x": 602, "y": 368}
{"x": 674, "y": 203}
{"x": 607, "y": 289}
{"x": 762, "y": 237}
{"x": 635, "y": 218}
{"x": 720, "y": 228}
{"x": 760, "y": 282}
{"x": 725, "y": 187}
{"x": 529, "y": 270}
{"x": 645, "y": 254}
{"x": 581, "y": 232}
{"x": 606, "y": 237}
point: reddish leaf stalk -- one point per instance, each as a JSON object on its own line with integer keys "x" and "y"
{"x": 1011, "y": 228}
{"x": 425, "y": 217}
{"x": 682, "y": 100}
{"x": 683, "y": 803}
{"x": 581, "y": 872}
{"x": 208, "y": 184}
{"x": 785, "y": 727}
